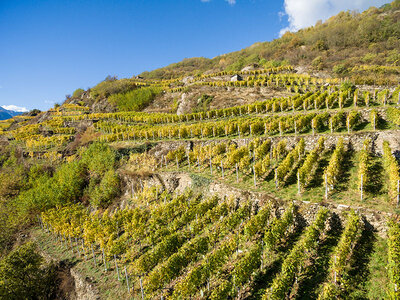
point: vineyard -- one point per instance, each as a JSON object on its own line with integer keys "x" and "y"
{"x": 289, "y": 197}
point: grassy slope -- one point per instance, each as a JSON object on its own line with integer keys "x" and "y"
{"x": 106, "y": 282}
{"x": 347, "y": 39}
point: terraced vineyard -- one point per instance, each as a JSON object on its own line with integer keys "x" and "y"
{"x": 281, "y": 198}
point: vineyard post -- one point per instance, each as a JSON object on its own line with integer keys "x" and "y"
{"x": 262, "y": 254}
{"x": 210, "y": 166}
{"x": 72, "y": 246}
{"x": 127, "y": 279}
{"x": 222, "y": 169}
{"x": 177, "y": 163}
{"x": 104, "y": 260}
{"x": 313, "y": 126}
{"x": 237, "y": 174}
{"x": 77, "y": 246}
{"x": 188, "y": 159}
{"x": 374, "y": 123}
{"x": 254, "y": 177}
{"x": 362, "y": 177}
{"x": 141, "y": 287}
{"x": 298, "y": 183}
{"x": 280, "y": 128}
{"x": 295, "y": 128}
{"x": 84, "y": 251}
{"x": 116, "y": 267}
{"x": 348, "y": 125}
{"x": 40, "y": 222}
{"x": 326, "y": 186}
{"x": 198, "y": 162}
{"x": 335, "y": 270}
{"x": 94, "y": 256}
{"x": 276, "y": 179}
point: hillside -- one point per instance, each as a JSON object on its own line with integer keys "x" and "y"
{"x": 275, "y": 179}
{"x": 363, "y": 46}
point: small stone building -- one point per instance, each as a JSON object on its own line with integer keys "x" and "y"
{"x": 236, "y": 77}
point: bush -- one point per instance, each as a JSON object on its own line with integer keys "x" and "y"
{"x": 203, "y": 103}
{"x": 78, "y": 93}
{"x": 65, "y": 186}
{"x": 108, "y": 189}
{"x": 318, "y": 63}
{"x": 112, "y": 86}
{"x": 340, "y": 70}
{"x": 134, "y": 100}
{"x": 98, "y": 159}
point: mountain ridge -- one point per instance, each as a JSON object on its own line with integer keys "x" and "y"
{"x": 6, "y": 114}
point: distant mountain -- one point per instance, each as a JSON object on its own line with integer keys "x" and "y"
{"x": 8, "y": 114}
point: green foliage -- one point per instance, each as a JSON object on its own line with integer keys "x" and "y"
{"x": 112, "y": 86}
{"x": 98, "y": 158}
{"x": 22, "y": 275}
{"x": 347, "y": 86}
{"x": 394, "y": 259}
{"x": 134, "y": 100}
{"x": 65, "y": 186}
{"x": 77, "y": 93}
{"x": 318, "y": 63}
{"x": 108, "y": 189}
{"x": 203, "y": 103}
{"x": 340, "y": 70}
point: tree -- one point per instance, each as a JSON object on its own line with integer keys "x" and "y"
{"x": 22, "y": 275}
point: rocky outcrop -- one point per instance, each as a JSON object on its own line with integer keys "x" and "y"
{"x": 179, "y": 181}
{"x": 84, "y": 289}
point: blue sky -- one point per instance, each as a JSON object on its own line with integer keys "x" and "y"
{"x": 50, "y": 48}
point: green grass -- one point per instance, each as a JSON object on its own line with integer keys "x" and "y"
{"x": 378, "y": 280}
{"x": 346, "y": 193}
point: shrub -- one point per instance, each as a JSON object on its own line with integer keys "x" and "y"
{"x": 112, "y": 86}
{"x": 134, "y": 100}
{"x": 340, "y": 70}
{"x": 108, "y": 189}
{"x": 77, "y": 93}
{"x": 22, "y": 275}
{"x": 98, "y": 158}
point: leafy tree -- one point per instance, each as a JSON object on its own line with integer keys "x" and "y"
{"x": 108, "y": 189}
{"x": 78, "y": 93}
{"x": 22, "y": 275}
{"x": 98, "y": 158}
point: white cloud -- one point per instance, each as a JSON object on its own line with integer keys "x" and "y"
{"x": 304, "y": 13}
{"x": 231, "y": 2}
{"x": 14, "y": 108}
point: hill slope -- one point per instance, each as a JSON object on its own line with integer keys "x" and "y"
{"x": 343, "y": 42}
